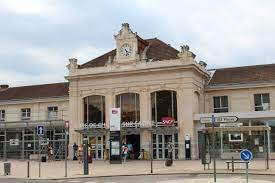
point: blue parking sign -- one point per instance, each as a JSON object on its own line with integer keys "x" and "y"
{"x": 246, "y": 155}
{"x": 40, "y": 130}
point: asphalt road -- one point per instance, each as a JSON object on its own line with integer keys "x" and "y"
{"x": 188, "y": 178}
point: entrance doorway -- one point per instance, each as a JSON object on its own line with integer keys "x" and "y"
{"x": 135, "y": 141}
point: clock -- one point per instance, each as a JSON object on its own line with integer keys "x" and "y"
{"x": 126, "y": 50}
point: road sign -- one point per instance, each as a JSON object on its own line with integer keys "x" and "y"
{"x": 14, "y": 142}
{"x": 220, "y": 119}
{"x": 246, "y": 155}
{"x": 40, "y": 130}
{"x": 44, "y": 141}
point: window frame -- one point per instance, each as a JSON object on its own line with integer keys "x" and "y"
{"x": 221, "y": 108}
{"x": 25, "y": 113}
{"x": 262, "y": 102}
{"x": 52, "y": 114}
{"x": 154, "y": 106}
{"x": 2, "y": 115}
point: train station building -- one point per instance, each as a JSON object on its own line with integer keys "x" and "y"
{"x": 162, "y": 92}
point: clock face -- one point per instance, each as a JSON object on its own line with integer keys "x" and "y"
{"x": 126, "y": 50}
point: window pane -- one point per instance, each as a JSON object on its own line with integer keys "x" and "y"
{"x": 257, "y": 100}
{"x": 95, "y": 109}
{"x": 224, "y": 101}
{"x": 175, "y": 105}
{"x": 153, "y": 104}
{"x": 129, "y": 107}
{"x": 265, "y": 98}
{"x": 216, "y": 102}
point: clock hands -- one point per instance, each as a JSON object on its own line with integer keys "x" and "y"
{"x": 127, "y": 52}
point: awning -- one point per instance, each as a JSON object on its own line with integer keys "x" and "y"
{"x": 237, "y": 129}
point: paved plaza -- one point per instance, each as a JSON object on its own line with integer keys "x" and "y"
{"x": 56, "y": 170}
{"x": 185, "y": 178}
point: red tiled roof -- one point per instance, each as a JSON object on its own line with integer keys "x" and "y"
{"x": 246, "y": 74}
{"x": 158, "y": 50}
{"x": 35, "y": 91}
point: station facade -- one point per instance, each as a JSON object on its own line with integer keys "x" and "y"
{"x": 163, "y": 93}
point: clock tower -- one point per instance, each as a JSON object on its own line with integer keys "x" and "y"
{"x": 126, "y": 45}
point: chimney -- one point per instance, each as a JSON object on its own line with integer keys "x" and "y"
{"x": 3, "y": 87}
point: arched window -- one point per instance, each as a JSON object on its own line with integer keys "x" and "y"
{"x": 129, "y": 104}
{"x": 94, "y": 109}
{"x": 164, "y": 105}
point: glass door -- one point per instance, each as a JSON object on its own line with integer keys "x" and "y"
{"x": 97, "y": 146}
{"x": 160, "y": 148}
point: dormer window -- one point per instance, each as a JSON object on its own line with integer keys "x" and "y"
{"x": 262, "y": 102}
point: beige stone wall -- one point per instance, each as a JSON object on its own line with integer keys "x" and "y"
{"x": 186, "y": 81}
{"x": 38, "y": 109}
{"x": 240, "y": 100}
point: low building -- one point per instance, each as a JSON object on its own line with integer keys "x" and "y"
{"x": 163, "y": 94}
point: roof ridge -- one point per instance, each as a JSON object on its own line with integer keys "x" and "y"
{"x": 38, "y": 85}
{"x": 246, "y": 66}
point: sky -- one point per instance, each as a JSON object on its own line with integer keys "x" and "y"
{"x": 38, "y": 37}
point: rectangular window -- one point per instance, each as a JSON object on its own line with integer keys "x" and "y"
{"x": 2, "y": 115}
{"x": 262, "y": 102}
{"x": 26, "y": 114}
{"x": 220, "y": 104}
{"x": 53, "y": 112}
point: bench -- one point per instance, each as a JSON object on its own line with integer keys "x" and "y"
{"x": 232, "y": 162}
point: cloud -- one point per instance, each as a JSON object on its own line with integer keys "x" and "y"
{"x": 15, "y": 78}
{"x": 86, "y": 53}
{"x": 37, "y": 37}
{"x": 26, "y": 6}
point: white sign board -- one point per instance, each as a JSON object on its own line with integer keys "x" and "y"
{"x": 44, "y": 142}
{"x": 115, "y": 119}
{"x": 220, "y": 119}
{"x": 14, "y": 142}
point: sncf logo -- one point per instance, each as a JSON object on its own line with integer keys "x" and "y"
{"x": 114, "y": 111}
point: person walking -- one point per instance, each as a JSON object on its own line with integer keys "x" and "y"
{"x": 50, "y": 153}
{"x": 80, "y": 153}
{"x": 124, "y": 152}
{"x": 169, "y": 160}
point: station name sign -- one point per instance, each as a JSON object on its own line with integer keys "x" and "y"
{"x": 220, "y": 119}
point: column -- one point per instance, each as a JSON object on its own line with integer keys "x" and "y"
{"x": 145, "y": 117}
{"x": 185, "y": 96}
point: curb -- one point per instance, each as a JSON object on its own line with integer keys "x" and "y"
{"x": 145, "y": 174}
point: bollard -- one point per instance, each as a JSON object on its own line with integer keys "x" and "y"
{"x": 28, "y": 170}
{"x": 232, "y": 164}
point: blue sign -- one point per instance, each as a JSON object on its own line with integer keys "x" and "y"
{"x": 40, "y": 130}
{"x": 246, "y": 155}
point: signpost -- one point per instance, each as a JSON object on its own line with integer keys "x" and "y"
{"x": 213, "y": 146}
{"x": 212, "y": 120}
{"x": 246, "y": 156}
{"x": 220, "y": 119}
{"x": 40, "y": 132}
{"x": 67, "y": 126}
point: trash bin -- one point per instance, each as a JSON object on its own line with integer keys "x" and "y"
{"x": 43, "y": 159}
{"x": 7, "y": 168}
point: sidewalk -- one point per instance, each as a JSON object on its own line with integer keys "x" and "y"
{"x": 56, "y": 170}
